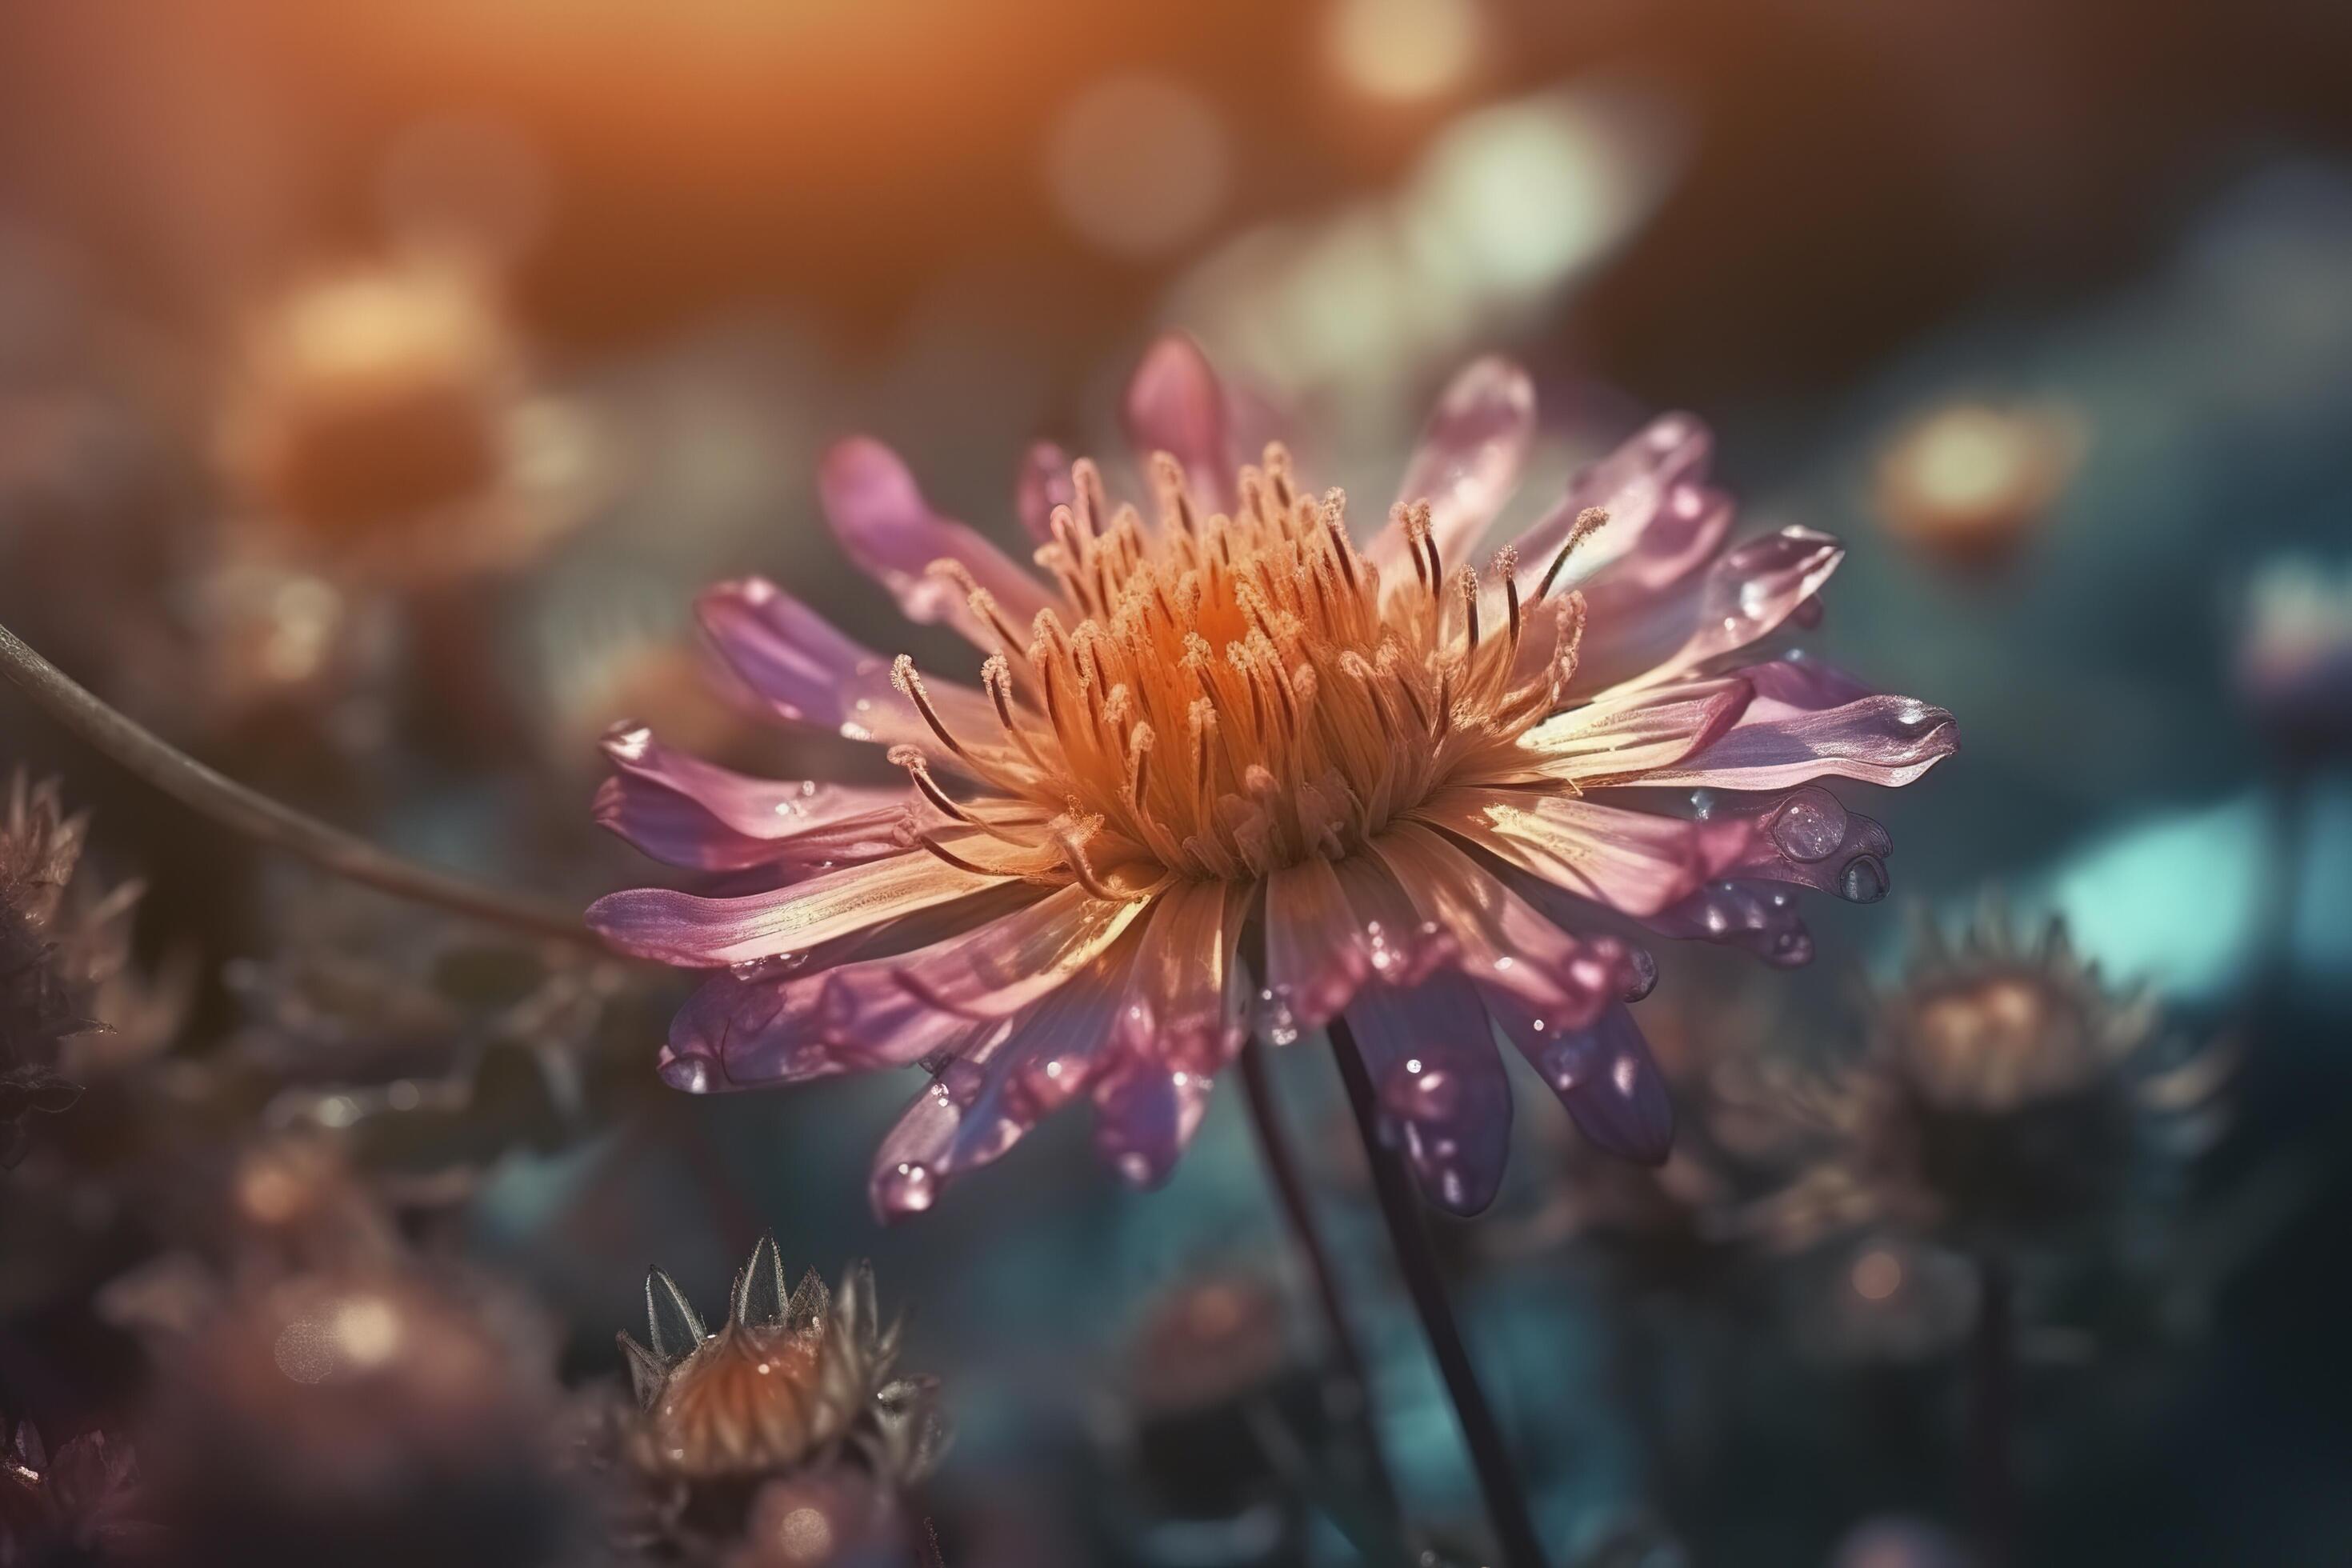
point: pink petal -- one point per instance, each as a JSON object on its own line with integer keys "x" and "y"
{"x": 1623, "y": 736}
{"x": 1466, "y": 464}
{"x": 880, "y": 517}
{"x": 1503, "y": 942}
{"x": 710, "y": 933}
{"x": 1784, "y": 739}
{"x": 811, "y": 674}
{"x": 686, "y": 812}
{"x": 1636, "y": 862}
{"x": 1746, "y": 594}
{"x": 1043, "y": 484}
{"x": 1650, "y": 482}
{"x": 1176, "y": 405}
{"x": 1180, "y": 1009}
{"x": 889, "y": 1011}
{"x": 987, "y": 1097}
{"x": 1329, "y": 930}
{"x": 1428, "y": 1050}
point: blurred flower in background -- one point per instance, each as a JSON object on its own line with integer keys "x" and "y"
{"x": 1967, "y": 484}
{"x": 2293, "y": 662}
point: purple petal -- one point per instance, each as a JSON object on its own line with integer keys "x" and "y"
{"x": 1786, "y": 738}
{"x": 879, "y": 515}
{"x": 811, "y": 674}
{"x": 1466, "y": 463}
{"x": 1650, "y": 482}
{"x": 1043, "y": 484}
{"x": 1757, "y": 916}
{"x": 686, "y": 812}
{"x": 1145, "y": 1113}
{"x": 1502, "y": 943}
{"x": 739, "y": 1031}
{"x": 1609, "y": 1083}
{"x": 1429, "y": 1049}
{"x": 1176, "y": 405}
{"x": 695, "y": 933}
{"x": 1808, "y": 838}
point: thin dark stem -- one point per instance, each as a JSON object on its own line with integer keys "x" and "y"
{"x": 1498, "y": 1482}
{"x": 1992, "y": 1402}
{"x": 1299, "y": 1215}
{"x": 264, "y": 820}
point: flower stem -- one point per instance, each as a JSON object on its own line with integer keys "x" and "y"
{"x": 1354, "y": 1386}
{"x": 264, "y": 820}
{"x": 1498, "y": 1482}
{"x": 1992, "y": 1408}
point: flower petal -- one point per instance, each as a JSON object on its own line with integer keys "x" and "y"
{"x": 1503, "y": 942}
{"x": 1624, "y": 735}
{"x": 889, "y": 1011}
{"x": 1607, "y": 1078}
{"x": 1649, "y": 483}
{"x": 878, "y": 513}
{"x": 988, "y": 1095}
{"x": 812, "y": 674}
{"x": 1754, "y": 915}
{"x": 1429, "y": 1049}
{"x": 1043, "y": 484}
{"x": 1806, "y": 836}
{"x": 1745, "y": 595}
{"x": 710, "y": 933}
{"x": 686, "y": 812}
{"x": 1636, "y": 862}
{"x": 1176, "y": 405}
{"x": 1466, "y": 464}
{"x": 1180, "y": 1010}
{"x": 1145, "y": 1114}
{"x": 1788, "y": 736}
{"x": 1330, "y": 928}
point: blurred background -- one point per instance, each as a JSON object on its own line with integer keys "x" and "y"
{"x": 378, "y": 384}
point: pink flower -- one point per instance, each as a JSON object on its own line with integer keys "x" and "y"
{"x": 1227, "y": 770}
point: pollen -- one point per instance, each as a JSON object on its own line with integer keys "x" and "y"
{"x": 1221, "y": 693}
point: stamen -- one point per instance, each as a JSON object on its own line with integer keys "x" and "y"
{"x": 1466, "y": 583}
{"x": 903, "y": 677}
{"x": 1506, "y": 567}
{"x": 1588, "y": 523}
{"x": 919, "y": 768}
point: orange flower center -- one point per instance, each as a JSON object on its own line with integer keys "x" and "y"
{"x": 1233, "y": 694}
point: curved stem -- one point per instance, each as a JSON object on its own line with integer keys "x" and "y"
{"x": 1498, "y": 1482}
{"x": 1299, "y": 1215}
{"x": 264, "y": 820}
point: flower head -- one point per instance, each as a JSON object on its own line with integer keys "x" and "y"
{"x": 2294, "y": 656}
{"x": 1228, "y": 768}
{"x": 77, "y": 1504}
{"x": 379, "y": 422}
{"x": 790, "y": 1377}
{"x": 2005, "y": 1095}
{"x": 64, "y": 951}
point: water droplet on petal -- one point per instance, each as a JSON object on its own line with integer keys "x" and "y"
{"x": 1419, "y": 1093}
{"x": 1644, "y": 967}
{"x": 689, "y": 1074}
{"x": 1809, "y": 826}
{"x": 904, "y": 1189}
{"x": 1862, "y": 879}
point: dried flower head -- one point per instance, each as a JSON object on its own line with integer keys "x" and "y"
{"x": 1226, "y": 768}
{"x": 78, "y": 1504}
{"x": 2005, "y": 1095}
{"x": 790, "y": 1379}
{"x": 379, "y": 422}
{"x": 65, "y": 952}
